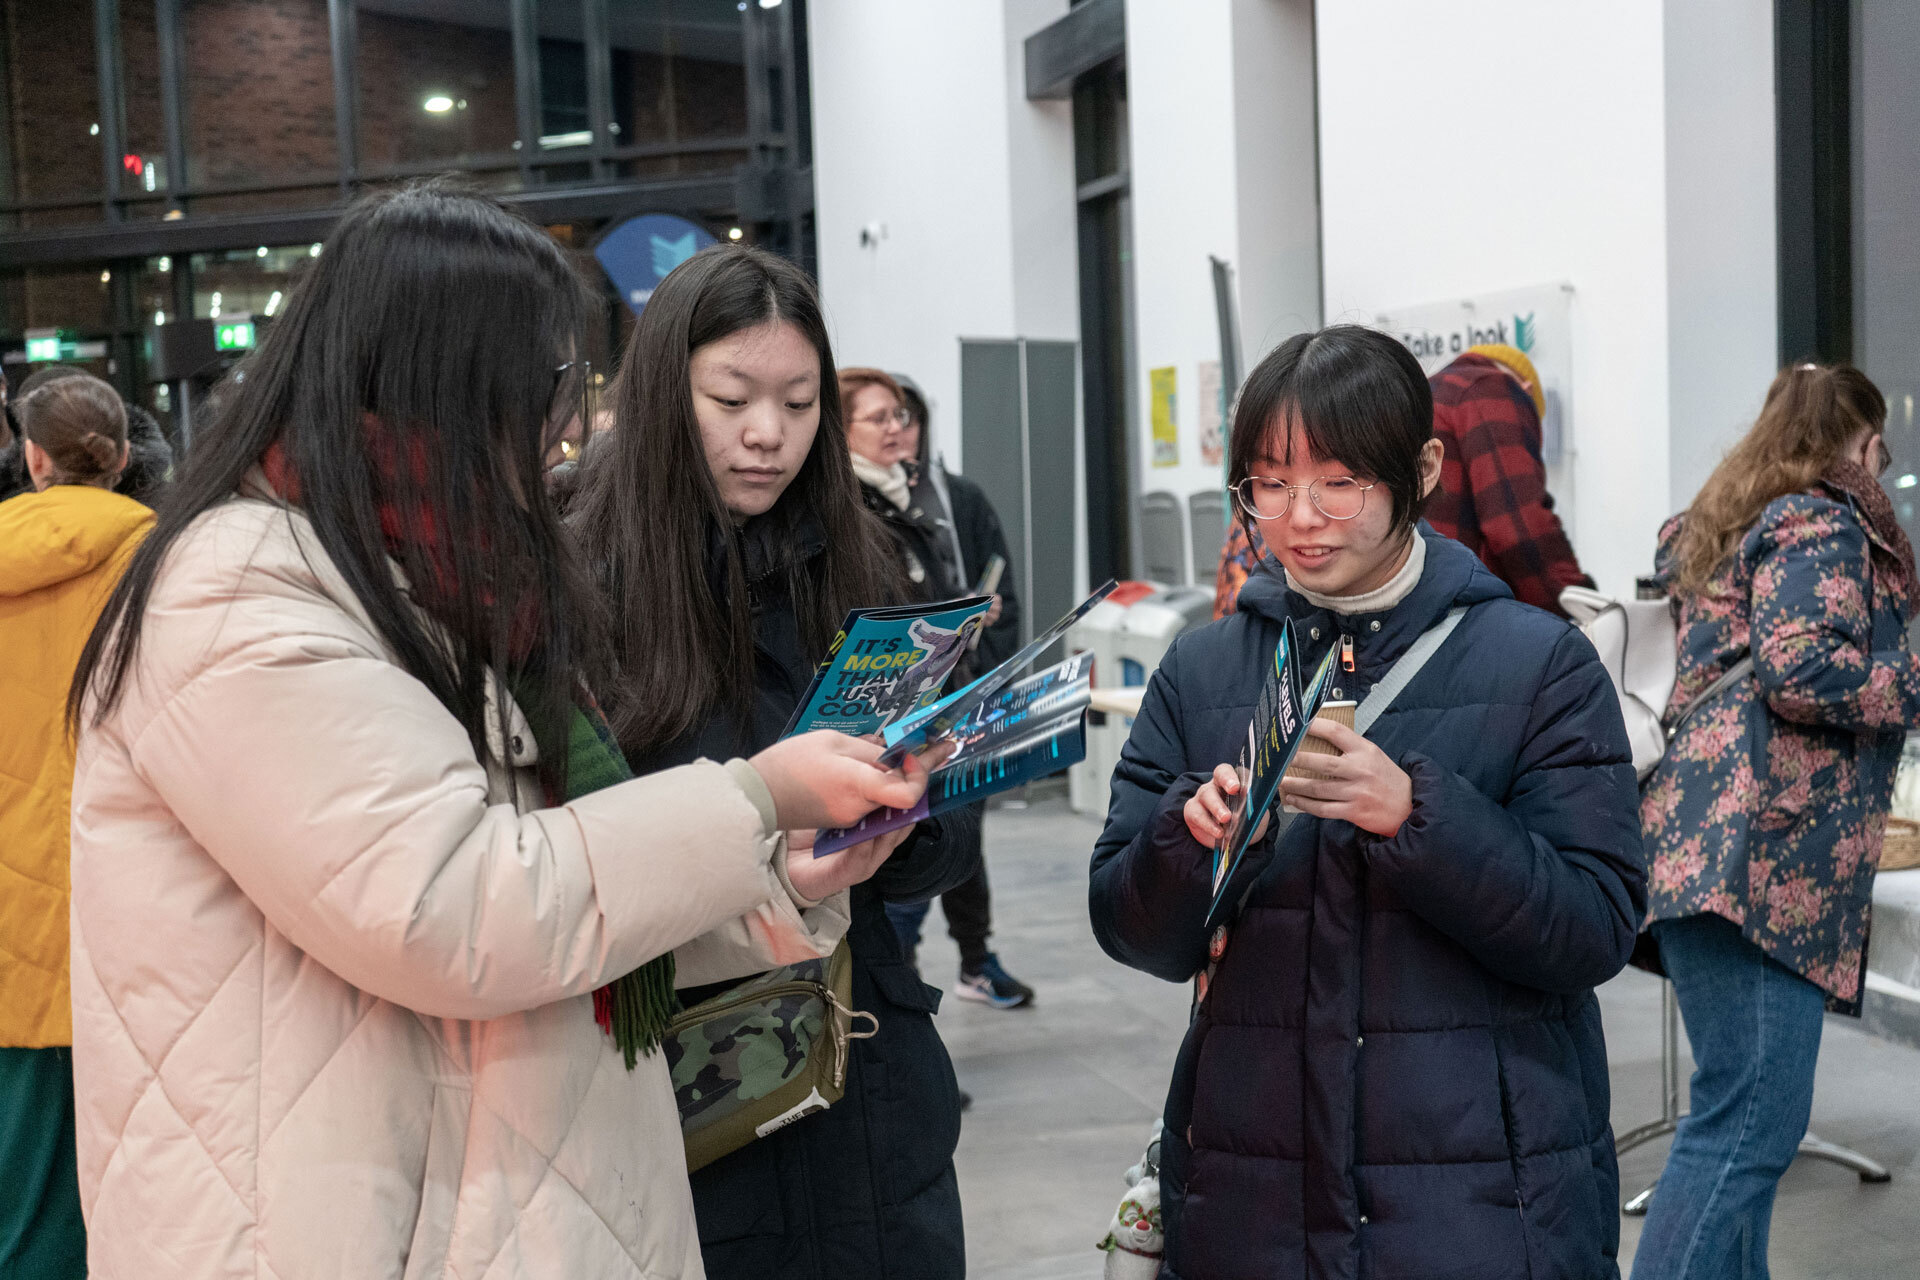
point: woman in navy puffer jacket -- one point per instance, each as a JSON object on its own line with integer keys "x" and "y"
{"x": 1398, "y": 1067}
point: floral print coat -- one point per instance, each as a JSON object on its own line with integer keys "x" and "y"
{"x": 1770, "y": 805}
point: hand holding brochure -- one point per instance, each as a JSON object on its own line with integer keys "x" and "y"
{"x": 1003, "y": 736}
{"x": 1028, "y": 730}
{"x": 1274, "y": 735}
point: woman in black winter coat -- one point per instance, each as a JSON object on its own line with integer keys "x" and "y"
{"x": 1397, "y": 1066}
{"x": 727, "y": 528}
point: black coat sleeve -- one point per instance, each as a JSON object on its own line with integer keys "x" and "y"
{"x": 941, "y": 853}
{"x": 982, "y": 538}
{"x": 1548, "y": 889}
{"x": 1151, "y": 881}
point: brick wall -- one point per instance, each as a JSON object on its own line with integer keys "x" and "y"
{"x": 52, "y": 98}
{"x": 259, "y": 89}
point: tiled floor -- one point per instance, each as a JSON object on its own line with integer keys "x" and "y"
{"x": 1065, "y": 1093}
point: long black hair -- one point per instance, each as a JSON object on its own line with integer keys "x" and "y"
{"x": 432, "y": 330}
{"x": 647, "y": 509}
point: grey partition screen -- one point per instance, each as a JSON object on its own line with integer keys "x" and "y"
{"x": 1207, "y": 515}
{"x": 1018, "y": 412}
{"x": 1163, "y": 543}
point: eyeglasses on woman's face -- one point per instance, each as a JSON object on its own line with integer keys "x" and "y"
{"x": 1335, "y": 497}
{"x": 883, "y": 420}
{"x": 574, "y": 392}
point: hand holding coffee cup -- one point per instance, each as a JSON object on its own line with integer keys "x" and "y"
{"x": 1314, "y": 745}
{"x": 1348, "y": 779}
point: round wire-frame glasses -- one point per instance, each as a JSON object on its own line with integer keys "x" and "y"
{"x": 1335, "y": 497}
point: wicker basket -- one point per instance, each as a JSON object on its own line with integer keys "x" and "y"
{"x": 1902, "y": 848}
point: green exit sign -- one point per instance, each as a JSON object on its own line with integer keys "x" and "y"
{"x": 232, "y": 337}
{"x": 43, "y": 348}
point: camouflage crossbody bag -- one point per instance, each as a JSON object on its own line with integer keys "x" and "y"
{"x": 761, "y": 1055}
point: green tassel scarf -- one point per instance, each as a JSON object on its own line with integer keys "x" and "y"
{"x": 634, "y": 1009}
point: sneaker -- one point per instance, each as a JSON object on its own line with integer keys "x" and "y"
{"x": 990, "y": 984}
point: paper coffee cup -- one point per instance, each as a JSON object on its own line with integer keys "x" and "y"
{"x": 1302, "y": 766}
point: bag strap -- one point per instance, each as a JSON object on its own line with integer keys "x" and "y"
{"x": 1404, "y": 669}
{"x": 1378, "y": 699}
{"x": 1733, "y": 675}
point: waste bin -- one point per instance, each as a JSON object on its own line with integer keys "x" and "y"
{"x": 1099, "y": 634}
{"x": 1128, "y": 642}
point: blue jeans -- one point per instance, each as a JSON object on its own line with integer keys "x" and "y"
{"x": 1755, "y": 1030}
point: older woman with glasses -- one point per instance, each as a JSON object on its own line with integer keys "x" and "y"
{"x": 1396, "y": 1064}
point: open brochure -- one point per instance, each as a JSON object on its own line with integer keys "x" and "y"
{"x": 1274, "y": 734}
{"x": 1026, "y": 730}
{"x": 887, "y": 664}
{"x": 929, "y": 726}
{"x": 989, "y": 737}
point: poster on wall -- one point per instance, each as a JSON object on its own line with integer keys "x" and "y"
{"x": 1539, "y": 321}
{"x": 1162, "y": 391}
{"x": 1213, "y": 411}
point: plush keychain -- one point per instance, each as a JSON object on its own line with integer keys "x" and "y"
{"x": 1135, "y": 1240}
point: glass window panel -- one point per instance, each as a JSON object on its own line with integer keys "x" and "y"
{"x": 49, "y": 124}
{"x": 143, "y": 160}
{"x": 259, "y": 91}
{"x": 235, "y": 283}
{"x": 1886, "y": 257}
{"x": 436, "y": 81}
{"x": 679, "y": 72}
{"x": 72, "y": 299}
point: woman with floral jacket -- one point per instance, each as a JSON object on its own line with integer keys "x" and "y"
{"x": 1764, "y": 821}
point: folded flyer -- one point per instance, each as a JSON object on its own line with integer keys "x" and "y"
{"x": 936, "y": 722}
{"x": 1274, "y": 735}
{"x": 1027, "y": 730}
{"x": 887, "y": 664}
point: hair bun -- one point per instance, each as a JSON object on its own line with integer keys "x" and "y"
{"x": 103, "y": 451}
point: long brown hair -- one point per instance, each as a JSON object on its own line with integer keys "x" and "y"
{"x": 1811, "y": 414}
{"x": 647, "y": 508}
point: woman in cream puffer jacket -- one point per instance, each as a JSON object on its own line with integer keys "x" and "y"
{"x": 386, "y": 1002}
{"x": 333, "y": 962}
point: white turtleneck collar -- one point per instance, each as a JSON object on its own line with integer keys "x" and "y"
{"x": 890, "y": 482}
{"x": 1380, "y": 599}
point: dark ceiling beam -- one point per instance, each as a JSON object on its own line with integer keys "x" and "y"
{"x": 1090, "y": 35}
{"x": 102, "y": 242}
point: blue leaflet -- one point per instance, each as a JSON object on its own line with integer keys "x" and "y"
{"x": 887, "y": 664}
{"x": 1274, "y": 735}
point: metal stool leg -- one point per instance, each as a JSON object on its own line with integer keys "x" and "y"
{"x": 1870, "y": 1170}
{"x": 1814, "y": 1146}
{"x": 1670, "y": 1111}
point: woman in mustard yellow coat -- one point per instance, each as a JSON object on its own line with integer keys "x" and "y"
{"x": 62, "y": 549}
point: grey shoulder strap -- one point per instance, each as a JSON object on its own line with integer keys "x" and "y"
{"x": 1727, "y": 679}
{"x": 1402, "y": 672}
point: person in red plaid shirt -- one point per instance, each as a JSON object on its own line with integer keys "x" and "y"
{"x": 1493, "y": 483}
{"x": 1493, "y": 495}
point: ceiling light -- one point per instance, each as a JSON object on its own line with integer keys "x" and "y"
{"x": 261, "y": 252}
{"x": 769, "y": 4}
{"x": 273, "y": 303}
{"x": 159, "y": 317}
{"x": 438, "y": 103}
{"x": 1907, "y": 481}
{"x": 93, "y": 130}
{"x": 106, "y": 277}
{"x": 313, "y": 251}
{"x": 734, "y": 233}
{"x": 165, "y": 263}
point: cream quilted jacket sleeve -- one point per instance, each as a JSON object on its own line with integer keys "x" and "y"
{"x": 348, "y": 805}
